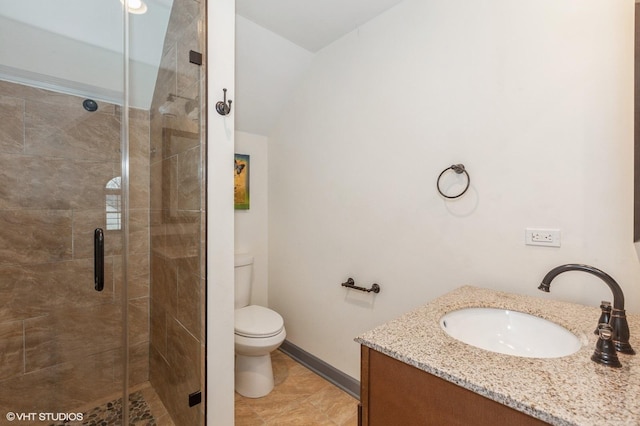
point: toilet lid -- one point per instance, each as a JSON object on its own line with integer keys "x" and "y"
{"x": 257, "y": 321}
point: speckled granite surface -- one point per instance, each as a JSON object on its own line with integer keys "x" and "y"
{"x": 571, "y": 390}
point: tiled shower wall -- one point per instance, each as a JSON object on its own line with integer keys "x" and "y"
{"x": 177, "y": 219}
{"x": 60, "y": 340}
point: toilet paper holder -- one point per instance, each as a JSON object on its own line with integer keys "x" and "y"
{"x": 352, "y": 284}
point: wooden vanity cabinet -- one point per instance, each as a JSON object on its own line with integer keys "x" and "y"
{"x": 394, "y": 393}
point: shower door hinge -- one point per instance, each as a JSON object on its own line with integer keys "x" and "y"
{"x": 195, "y": 398}
{"x": 195, "y": 57}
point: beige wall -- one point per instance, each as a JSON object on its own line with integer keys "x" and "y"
{"x": 534, "y": 98}
{"x": 251, "y": 225}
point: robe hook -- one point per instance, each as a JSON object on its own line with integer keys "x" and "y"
{"x": 222, "y": 107}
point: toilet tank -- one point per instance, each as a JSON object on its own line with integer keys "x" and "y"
{"x": 243, "y": 276}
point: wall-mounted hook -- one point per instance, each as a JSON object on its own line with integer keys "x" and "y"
{"x": 222, "y": 107}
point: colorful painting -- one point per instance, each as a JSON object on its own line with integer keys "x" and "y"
{"x": 241, "y": 182}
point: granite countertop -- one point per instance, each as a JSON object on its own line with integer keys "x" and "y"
{"x": 571, "y": 390}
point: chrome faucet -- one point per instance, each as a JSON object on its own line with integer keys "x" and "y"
{"x": 618, "y": 320}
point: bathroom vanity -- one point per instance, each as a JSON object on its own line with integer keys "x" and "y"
{"x": 414, "y": 373}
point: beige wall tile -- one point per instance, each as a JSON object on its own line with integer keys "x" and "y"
{"x": 183, "y": 353}
{"x": 183, "y": 15}
{"x": 164, "y": 288}
{"x": 184, "y": 363}
{"x": 33, "y": 182}
{"x": 12, "y": 128}
{"x": 11, "y": 349}
{"x": 181, "y": 123}
{"x": 139, "y": 160}
{"x": 36, "y": 392}
{"x": 188, "y": 74}
{"x": 139, "y": 231}
{"x": 71, "y": 132}
{"x": 189, "y": 180}
{"x": 34, "y": 236}
{"x": 90, "y": 378}
{"x": 138, "y": 276}
{"x": 158, "y": 332}
{"x": 84, "y": 224}
{"x": 189, "y": 296}
{"x": 166, "y": 81}
{"x": 54, "y": 99}
{"x": 138, "y": 321}
{"x": 170, "y": 186}
{"x": 71, "y": 334}
{"x": 138, "y": 363}
{"x": 29, "y": 291}
{"x": 139, "y": 183}
{"x": 177, "y": 142}
{"x": 156, "y": 186}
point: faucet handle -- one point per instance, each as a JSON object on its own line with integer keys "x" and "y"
{"x": 621, "y": 331}
{"x": 605, "y": 352}
{"x": 605, "y": 316}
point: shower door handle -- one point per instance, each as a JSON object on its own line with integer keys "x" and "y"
{"x": 98, "y": 259}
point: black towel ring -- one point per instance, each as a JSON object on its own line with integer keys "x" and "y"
{"x": 458, "y": 168}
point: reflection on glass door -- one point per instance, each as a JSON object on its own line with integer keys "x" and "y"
{"x": 60, "y": 339}
{"x": 177, "y": 218}
{"x": 75, "y": 157}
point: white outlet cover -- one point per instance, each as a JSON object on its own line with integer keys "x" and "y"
{"x": 545, "y": 237}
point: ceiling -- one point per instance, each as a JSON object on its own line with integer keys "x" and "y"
{"x": 280, "y": 38}
{"x": 312, "y": 25}
{"x": 77, "y": 44}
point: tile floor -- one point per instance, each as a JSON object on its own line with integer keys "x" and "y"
{"x": 300, "y": 397}
{"x": 146, "y": 409}
{"x": 158, "y": 410}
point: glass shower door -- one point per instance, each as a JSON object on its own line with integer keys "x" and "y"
{"x": 61, "y": 341}
{"x": 79, "y": 153}
{"x": 62, "y": 346}
{"x": 177, "y": 193}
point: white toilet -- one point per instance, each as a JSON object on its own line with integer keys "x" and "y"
{"x": 258, "y": 332}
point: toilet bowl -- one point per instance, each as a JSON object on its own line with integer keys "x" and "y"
{"x": 258, "y": 332}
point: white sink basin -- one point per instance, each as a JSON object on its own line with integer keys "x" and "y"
{"x": 510, "y": 332}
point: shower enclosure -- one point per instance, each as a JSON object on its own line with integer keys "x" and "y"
{"x": 102, "y": 185}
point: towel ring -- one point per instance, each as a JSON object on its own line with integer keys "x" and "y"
{"x": 459, "y": 169}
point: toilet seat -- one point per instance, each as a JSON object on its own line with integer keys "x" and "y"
{"x": 257, "y": 322}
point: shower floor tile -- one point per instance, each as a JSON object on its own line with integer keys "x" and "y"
{"x": 145, "y": 409}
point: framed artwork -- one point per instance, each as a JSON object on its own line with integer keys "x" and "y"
{"x": 241, "y": 182}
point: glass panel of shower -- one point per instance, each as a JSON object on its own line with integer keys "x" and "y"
{"x": 177, "y": 217}
{"x": 101, "y": 188}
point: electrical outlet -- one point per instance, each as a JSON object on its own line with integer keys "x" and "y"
{"x": 542, "y": 237}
